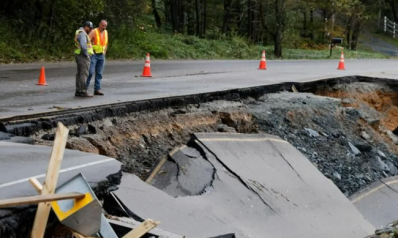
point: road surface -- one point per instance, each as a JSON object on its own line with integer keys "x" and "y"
{"x": 19, "y": 95}
{"x": 262, "y": 187}
{"x": 19, "y": 162}
{"x": 378, "y": 202}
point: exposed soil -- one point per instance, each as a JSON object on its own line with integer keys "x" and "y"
{"x": 344, "y": 134}
{"x": 140, "y": 140}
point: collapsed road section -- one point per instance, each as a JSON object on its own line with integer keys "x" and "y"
{"x": 260, "y": 186}
{"x": 344, "y": 127}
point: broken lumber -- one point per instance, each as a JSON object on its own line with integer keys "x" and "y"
{"x": 133, "y": 224}
{"x": 141, "y": 230}
{"x": 50, "y": 182}
{"x": 294, "y": 89}
{"x": 38, "y": 199}
{"x": 37, "y": 185}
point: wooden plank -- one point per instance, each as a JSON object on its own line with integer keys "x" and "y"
{"x": 156, "y": 170}
{"x": 160, "y": 165}
{"x": 38, "y": 199}
{"x": 50, "y": 182}
{"x": 36, "y": 184}
{"x": 133, "y": 224}
{"x": 78, "y": 235}
{"x": 141, "y": 230}
{"x": 294, "y": 89}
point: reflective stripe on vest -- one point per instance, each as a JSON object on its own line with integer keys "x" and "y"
{"x": 89, "y": 45}
{"x": 100, "y": 43}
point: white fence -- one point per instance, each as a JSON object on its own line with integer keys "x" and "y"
{"x": 390, "y": 27}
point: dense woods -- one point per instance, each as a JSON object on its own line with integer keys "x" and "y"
{"x": 281, "y": 23}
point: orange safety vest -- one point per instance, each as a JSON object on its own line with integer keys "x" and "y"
{"x": 101, "y": 41}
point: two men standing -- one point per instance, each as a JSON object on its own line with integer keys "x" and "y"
{"x": 91, "y": 46}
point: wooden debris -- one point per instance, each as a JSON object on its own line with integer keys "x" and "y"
{"x": 294, "y": 89}
{"x": 38, "y": 199}
{"x": 50, "y": 182}
{"x": 141, "y": 230}
{"x": 36, "y": 184}
{"x": 133, "y": 224}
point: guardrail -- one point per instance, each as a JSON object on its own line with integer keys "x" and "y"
{"x": 390, "y": 27}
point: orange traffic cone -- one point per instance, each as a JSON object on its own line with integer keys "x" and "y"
{"x": 263, "y": 62}
{"x": 42, "y": 78}
{"x": 341, "y": 64}
{"x": 147, "y": 68}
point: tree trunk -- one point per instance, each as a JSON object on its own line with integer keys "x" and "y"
{"x": 348, "y": 34}
{"x": 355, "y": 34}
{"x": 156, "y": 14}
{"x": 305, "y": 21}
{"x": 250, "y": 19}
{"x": 197, "y": 9}
{"x": 311, "y": 25}
{"x": 227, "y": 15}
{"x": 174, "y": 15}
{"x": 204, "y": 18}
{"x": 280, "y": 23}
{"x": 167, "y": 12}
{"x": 191, "y": 18}
{"x": 181, "y": 19}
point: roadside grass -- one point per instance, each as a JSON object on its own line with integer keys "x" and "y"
{"x": 135, "y": 43}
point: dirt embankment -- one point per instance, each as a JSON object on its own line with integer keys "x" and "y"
{"x": 344, "y": 138}
{"x": 140, "y": 140}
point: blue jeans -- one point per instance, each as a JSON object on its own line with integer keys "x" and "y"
{"x": 97, "y": 65}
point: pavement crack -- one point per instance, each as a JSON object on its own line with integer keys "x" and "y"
{"x": 240, "y": 179}
{"x": 388, "y": 186}
{"x": 283, "y": 157}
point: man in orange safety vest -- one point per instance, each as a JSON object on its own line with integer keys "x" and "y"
{"x": 99, "y": 40}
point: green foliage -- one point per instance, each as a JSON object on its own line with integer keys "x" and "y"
{"x": 43, "y": 30}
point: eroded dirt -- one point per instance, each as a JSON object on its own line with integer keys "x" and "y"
{"x": 140, "y": 140}
{"x": 346, "y": 135}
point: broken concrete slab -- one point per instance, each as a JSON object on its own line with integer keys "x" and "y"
{"x": 19, "y": 162}
{"x": 188, "y": 176}
{"x": 261, "y": 185}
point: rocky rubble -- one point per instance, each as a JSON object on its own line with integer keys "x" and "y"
{"x": 343, "y": 136}
{"x": 389, "y": 231}
{"x": 333, "y": 137}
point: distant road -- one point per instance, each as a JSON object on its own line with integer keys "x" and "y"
{"x": 19, "y": 95}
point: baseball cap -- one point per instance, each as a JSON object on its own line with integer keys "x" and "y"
{"x": 89, "y": 24}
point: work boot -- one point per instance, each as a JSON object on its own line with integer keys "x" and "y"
{"x": 83, "y": 95}
{"x": 98, "y": 93}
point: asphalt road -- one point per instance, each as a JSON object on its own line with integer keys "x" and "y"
{"x": 19, "y": 95}
{"x": 262, "y": 187}
{"x": 19, "y": 162}
{"x": 378, "y": 202}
